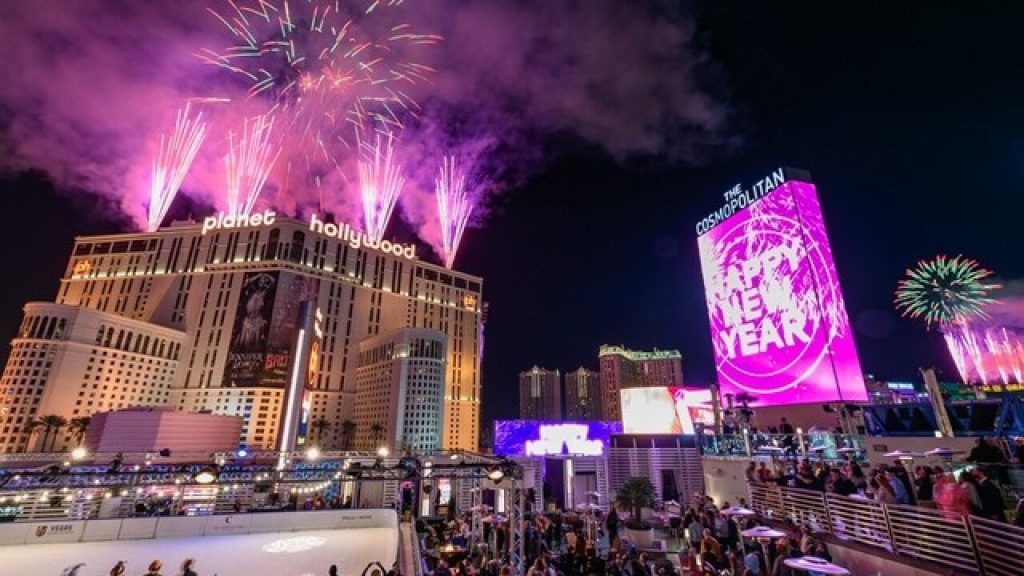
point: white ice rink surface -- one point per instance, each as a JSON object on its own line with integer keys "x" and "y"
{"x": 271, "y": 554}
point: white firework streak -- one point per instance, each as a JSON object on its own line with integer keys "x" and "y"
{"x": 981, "y": 352}
{"x": 248, "y": 164}
{"x": 454, "y": 207}
{"x": 380, "y": 184}
{"x": 173, "y": 159}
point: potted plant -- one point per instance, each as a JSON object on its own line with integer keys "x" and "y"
{"x": 635, "y": 495}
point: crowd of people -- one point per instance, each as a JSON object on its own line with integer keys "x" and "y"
{"x": 716, "y": 539}
{"x": 974, "y": 491}
{"x": 567, "y": 544}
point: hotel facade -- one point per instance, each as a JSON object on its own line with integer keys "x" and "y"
{"x": 222, "y": 300}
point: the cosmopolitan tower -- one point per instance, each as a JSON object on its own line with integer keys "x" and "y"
{"x": 224, "y": 299}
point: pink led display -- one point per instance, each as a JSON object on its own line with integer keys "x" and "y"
{"x": 778, "y": 320}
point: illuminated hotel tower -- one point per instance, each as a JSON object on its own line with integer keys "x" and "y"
{"x": 540, "y": 394}
{"x": 400, "y": 391}
{"x": 582, "y": 395}
{"x": 624, "y": 368}
{"x": 230, "y": 294}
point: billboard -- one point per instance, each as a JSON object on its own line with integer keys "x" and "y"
{"x": 778, "y": 320}
{"x": 266, "y": 323}
{"x": 665, "y": 409}
{"x": 546, "y": 438}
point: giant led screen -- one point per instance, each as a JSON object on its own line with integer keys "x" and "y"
{"x": 665, "y": 409}
{"x": 552, "y": 438}
{"x": 778, "y": 320}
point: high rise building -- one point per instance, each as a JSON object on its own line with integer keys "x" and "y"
{"x": 229, "y": 293}
{"x": 624, "y": 368}
{"x": 540, "y": 394}
{"x": 71, "y": 361}
{"x": 582, "y": 395}
{"x": 400, "y": 391}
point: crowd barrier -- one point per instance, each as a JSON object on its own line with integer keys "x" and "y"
{"x": 183, "y": 526}
{"x": 960, "y": 543}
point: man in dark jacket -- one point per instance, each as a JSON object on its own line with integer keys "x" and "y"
{"x": 992, "y": 505}
{"x": 841, "y": 484}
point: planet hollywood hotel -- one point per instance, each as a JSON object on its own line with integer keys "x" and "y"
{"x": 205, "y": 317}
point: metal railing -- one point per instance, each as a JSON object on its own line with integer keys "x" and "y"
{"x": 858, "y": 520}
{"x": 745, "y": 444}
{"x": 961, "y": 543}
{"x": 1000, "y": 550}
{"x": 806, "y": 507}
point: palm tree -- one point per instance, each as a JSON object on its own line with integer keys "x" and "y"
{"x": 377, "y": 432}
{"x": 636, "y": 494}
{"x": 51, "y": 423}
{"x": 319, "y": 426}
{"x": 32, "y": 426}
{"x": 78, "y": 426}
{"x": 57, "y": 422}
{"x": 348, "y": 431}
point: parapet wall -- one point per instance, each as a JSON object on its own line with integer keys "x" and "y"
{"x": 184, "y": 526}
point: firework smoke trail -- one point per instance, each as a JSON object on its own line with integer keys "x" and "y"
{"x": 945, "y": 291}
{"x": 173, "y": 159}
{"x": 380, "y": 184}
{"x": 454, "y": 207}
{"x": 248, "y": 164}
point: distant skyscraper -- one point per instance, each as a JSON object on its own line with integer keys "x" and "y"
{"x": 400, "y": 391}
{"x": 540, "y": 394}
{"x": 582, "y": 395}
{"x": 624, "y": 368}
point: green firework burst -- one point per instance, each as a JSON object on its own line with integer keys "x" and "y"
{"x": 945, "y": 291}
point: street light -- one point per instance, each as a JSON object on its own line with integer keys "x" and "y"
{"x": 208, "y": 475}
{"x": 496, "y": 473}
{"x": 383, "y": 452}
{"x": 312, "y": 453}
{"x": 79, "y": 453}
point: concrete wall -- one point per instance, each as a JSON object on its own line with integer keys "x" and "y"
{"x": 724, "y": 479}
{"x": 181, "y": 526}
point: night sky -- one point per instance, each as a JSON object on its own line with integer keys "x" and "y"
{"x": 910, "y": 119}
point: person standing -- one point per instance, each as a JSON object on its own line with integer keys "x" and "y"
{"x": 611, "y": 523}
{"x": 186, "y": 567}
{"x": 154, "y": 568}
{"x": 992, "y": 505}
{"x": 788, "y": 442}
{"x": 696, "y": 531}
{"x": 923, "y": 484}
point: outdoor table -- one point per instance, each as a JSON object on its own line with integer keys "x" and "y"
{"x": 813, "y": 564}
{"x": 738, "y": 511}
{"x": 763, "y": 535}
